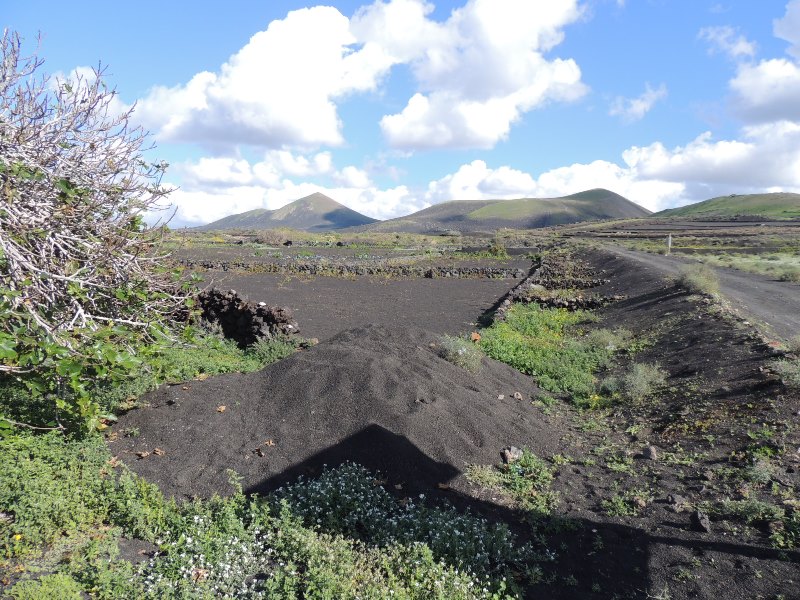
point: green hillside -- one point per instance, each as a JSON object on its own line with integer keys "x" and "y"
{"x": 591, "y": 204}
{"x": 524, "y": 213}
{"x": 780, "y": 206}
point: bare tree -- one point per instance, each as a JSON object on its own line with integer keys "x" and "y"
{"x": 75, "y": 253}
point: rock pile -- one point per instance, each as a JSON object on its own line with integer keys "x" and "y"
{"x": 576, "y": 302}
{"x": 554, "y": 273}
{"x": 244, "y": 321}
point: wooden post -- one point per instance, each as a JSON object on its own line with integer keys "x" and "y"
{"x": 669, "y": 243}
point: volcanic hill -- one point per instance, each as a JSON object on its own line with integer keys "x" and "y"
{"x": 316, "y": 212}
{"x": 469, "y": 216}
{"x": 780, "y": 206}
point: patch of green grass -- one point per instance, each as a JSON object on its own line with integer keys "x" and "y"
{"x": 699, "y": 279}
{"x": 627, "y": 504}
{"x": 780, "y": 205}
{"x": 461, "y": 352}
{"x": 539, "y": 342}
{"x": 783, "y": 266}
{"x": 527, "y": 481}
{"x": 748, "y": 511}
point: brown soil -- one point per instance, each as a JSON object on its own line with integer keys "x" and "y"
{"x": 380, "y": 395}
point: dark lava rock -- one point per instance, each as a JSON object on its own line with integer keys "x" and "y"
{"x": 510, "y": 454}
{"x": 650, "y": 453}
{"x": 700, "y": 522}
{"x": 245, "y": 321}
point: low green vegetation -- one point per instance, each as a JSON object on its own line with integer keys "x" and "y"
{"x": 641, "y": 380}
{"x": 783, "y": 266}
{"x": 196, "y": 353}
{"x": 699, "y": 279}
{"x": 66, "y": 503}
{"x": 546, "y": 344}
{"x": 627, "y": 504}
{"x": 461, "y": 352}
{"x": 526, "y": 480}
{"x": 789, "y": 370}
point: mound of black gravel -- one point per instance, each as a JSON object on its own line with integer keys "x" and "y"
{"x": 379, "y": 396}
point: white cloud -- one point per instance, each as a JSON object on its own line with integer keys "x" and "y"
{"x": 353, "y": 177}
{"x": 768, "y": 91}
{"x": 788, "y": 28}
{"x": 477, "y": 72}
{"x": 214, "y": 187}
{"x": 634, "y": 109}
{"x": 477, "y": 181}
{"x": 278, "y": 90}
{"x": 766, "y": 157}
{"x": 725, "y": 39}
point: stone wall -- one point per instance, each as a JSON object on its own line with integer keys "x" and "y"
{"x": 356, "y": 270}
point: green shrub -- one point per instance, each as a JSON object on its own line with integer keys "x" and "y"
{"x": 789, "y": 274}
{"x": 537, "y": 342}
{"x": 50, "y": 587}
{"x": 794, "y": 345}
{"x": 627, "y": 504}
{"x": 788, "y": 536}
{"x": 461, "y": 352}
{"x": 53, "y": 484}
{"x": 497, "y": 249}
{"x": 641, "y": 380}
{"x": 699, "y": 279}
{"x": 609, "y": 339}
{"x": 79, "y": 284}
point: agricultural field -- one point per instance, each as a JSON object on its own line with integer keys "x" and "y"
{"x": 592, "y": 426}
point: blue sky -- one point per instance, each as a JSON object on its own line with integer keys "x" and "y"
{"x": 394, "y": 105}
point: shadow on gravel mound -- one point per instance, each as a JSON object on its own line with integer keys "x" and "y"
{"x": 378, "y": 396}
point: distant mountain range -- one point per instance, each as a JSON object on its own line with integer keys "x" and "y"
{"x": 316, "y": 212}
{"x": 782, "y": 205}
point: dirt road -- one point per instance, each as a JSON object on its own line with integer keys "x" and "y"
{"x": 774, "y": 306}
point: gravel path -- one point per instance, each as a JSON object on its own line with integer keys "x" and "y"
{"x": 773, "y": 305}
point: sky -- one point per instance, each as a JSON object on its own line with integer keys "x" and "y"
{"x": 394, "y": 105}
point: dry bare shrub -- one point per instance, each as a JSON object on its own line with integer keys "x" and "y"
{"x": 82, "y": 288}
{"x": 74, "y": 188}
{"x": 461, "y": 352}
{"x": 642, "y": 380}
